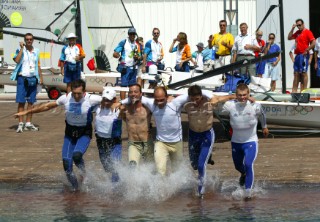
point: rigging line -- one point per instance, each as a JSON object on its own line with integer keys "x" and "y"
{"x": 89, "y": 33}
{"x": 48, "y": 26}
{"x": 124, "y": 7}
{"x": 65, "y": 27}
{"x": 121, "y": 27}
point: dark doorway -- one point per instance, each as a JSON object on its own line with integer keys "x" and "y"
{"x": 315, "y": 28}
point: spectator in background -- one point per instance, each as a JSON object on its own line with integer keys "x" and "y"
{"x": 70, "y": 61}
{"x": 139, "y": 41}
{"x": 153, "y": 54}
{"x": 182, "y": 51}
{"x": 223, "y": 41}
{"x": 260, "y": 66}
{"x": 299, "y": 76}
{"x": 28, "y": 74}
{"x": 317, "y": 56}
{"x": 304, "y": 42}
{"x": 197, "y": 57}
{"x": 243, "y": 48}
{"x": 128, "y": 53}
{"x": 272, "y": 68}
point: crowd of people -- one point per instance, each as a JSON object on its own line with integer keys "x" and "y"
{"x": 136, "y": 58}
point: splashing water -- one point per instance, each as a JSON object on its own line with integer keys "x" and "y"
{"x": 141, "y": 183}
{"x": 232, "y": 190}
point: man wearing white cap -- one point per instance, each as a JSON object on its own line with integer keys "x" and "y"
{"x": 70, "y": 61}
{"x": 78, "y": 107}
{"x": 108, "y": 126}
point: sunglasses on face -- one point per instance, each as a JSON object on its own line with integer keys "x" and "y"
{"x": 156, "y": 33}
{"x": 271, "y": 38}
{"x": 299, "y": 25}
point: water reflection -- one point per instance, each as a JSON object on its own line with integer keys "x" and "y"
{"x": 73, "y": 206}
{"x": 98, "y": 202}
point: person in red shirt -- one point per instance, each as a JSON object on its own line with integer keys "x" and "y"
{"x": 304, "y": 42}
{"x": 260, "y": 66}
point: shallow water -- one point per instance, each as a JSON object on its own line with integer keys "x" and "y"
{"x": 143, "y": 196}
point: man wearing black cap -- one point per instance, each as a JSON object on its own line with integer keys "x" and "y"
{"x": 128, "y": 53}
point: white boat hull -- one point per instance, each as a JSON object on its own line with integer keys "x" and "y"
{"x": 292, "y": 114}
{"x": 95, "y": 82}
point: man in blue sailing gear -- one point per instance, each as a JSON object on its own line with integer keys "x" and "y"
{"x": 243, "y": 120}
{"x": 78, "y": 132}
{"x": 201, "y": 133}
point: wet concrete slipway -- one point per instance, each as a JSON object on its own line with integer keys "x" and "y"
{"x": 33, "y": 186}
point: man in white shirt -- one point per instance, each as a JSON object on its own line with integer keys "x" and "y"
{"x": 28, "y": 74}
{"x": 244, "y": 46}
{"x": 243, "y": 120}
{"x": 78, "y": 132}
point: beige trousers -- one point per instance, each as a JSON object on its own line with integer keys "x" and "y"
{"x": 140, "y": 150}
{"x": 164, "y": 151}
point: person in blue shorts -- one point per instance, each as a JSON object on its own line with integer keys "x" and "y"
{"x": 70, "y": 61}
{"x": 78, "y": 132}
{"x": 244, "y": 120}
{"x": 128, "y": 52}
{"x": 28, "y": 74}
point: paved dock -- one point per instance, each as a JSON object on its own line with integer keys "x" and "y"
{"x": 36, "y": 156}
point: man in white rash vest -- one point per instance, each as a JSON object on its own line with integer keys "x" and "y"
{"x": 78, "y": 132}
{"x": 243, "y": 120}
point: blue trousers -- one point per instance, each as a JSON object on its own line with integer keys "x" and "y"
{"x": 244, "y": 155}
{"x": 110, "y": 152}
{"x": 200, "y": 148}
{"x": 73, "y": 151}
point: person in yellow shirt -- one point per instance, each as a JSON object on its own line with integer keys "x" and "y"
{"x": 223, "y": 42}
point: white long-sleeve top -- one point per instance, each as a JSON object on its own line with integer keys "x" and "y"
{"x": 244, "y": 120}
{"x": 104, "y": 121}
{"x": 168, "y": 119}
{"x": 79, "y": 113}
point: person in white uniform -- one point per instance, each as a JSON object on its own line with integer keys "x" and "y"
{"x": 243, "y": 120}
{"x": 78, "y": 132}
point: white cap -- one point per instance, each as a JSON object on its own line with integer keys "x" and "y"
{"x": 109, "y": 93}
{"x": 71, "y": 35}
{"x": 153, "y": 69}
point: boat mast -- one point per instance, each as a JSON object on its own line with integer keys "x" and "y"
{"x": 283, "y": 53}
{"x": 77, "y": 25}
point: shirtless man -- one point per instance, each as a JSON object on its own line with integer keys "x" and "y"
{"x": 167, "y": 115}
{"x": 138, "y": 119}
{"x": 201, "y": 133}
